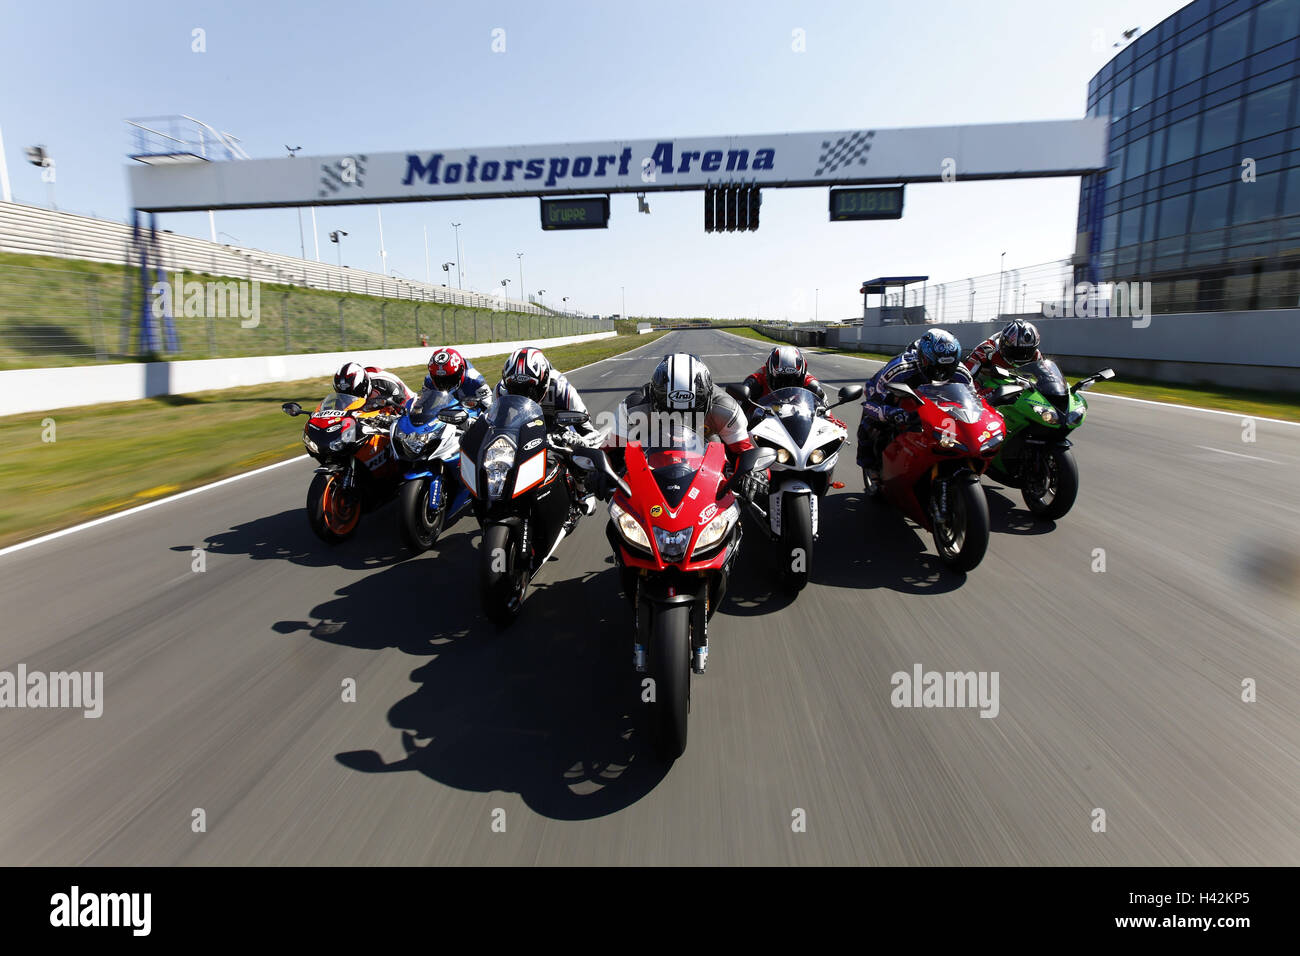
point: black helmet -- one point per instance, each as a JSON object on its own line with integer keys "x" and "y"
{"x": 352, "y": 379}
{"x": 786, "y": 367}
{"x": 939, "y": 354}
{"x": 527, "y": 372}
{"x": 1020, "y": 341}
{"x": 681, "y": 383}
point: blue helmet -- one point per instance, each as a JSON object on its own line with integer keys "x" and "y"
{"x": 939, "y": 353}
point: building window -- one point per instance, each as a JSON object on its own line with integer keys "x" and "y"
{"x": 1173, "y": 216}
{"x": 1228, "y": 44}
{"x": 1211, "y": 209}
{"x": 1276, "y": 21}
{"x": 1267, "y": 111}
{"x": 1130, "y": 230}
{"x": 1257, "y": 200}
{"x": 1109, "y": 230}
{"x": 1291, "y": 197}
{"x": 1182, "y": 141}
{"x": 1189, "y": 62}
{"x": 1120, "y": 105}
{"x": 1135, "y": 163}
{"x": 1143, "y": 87}
{"x": 1220, "y": 127}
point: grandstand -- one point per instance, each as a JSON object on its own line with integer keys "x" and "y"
{"x": 35, "y": 230}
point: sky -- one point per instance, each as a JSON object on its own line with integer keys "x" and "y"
{"x": 339, "y": 76}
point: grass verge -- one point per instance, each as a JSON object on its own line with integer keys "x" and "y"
{"x": 108, "y": 458}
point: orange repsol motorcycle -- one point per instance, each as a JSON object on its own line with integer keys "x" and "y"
{"x": 358, "y": 471}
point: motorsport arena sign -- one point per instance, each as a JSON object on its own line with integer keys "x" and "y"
{"x": 844, "y": 157}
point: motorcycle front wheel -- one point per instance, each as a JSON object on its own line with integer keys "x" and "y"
{"x": 333, "y": 513}
{"x": 1052, "y": 485}
{"x": 670, "y": 666}
{"x": 797, "y": 540}
{"x": 418, "y": 525}
{"x": 963, "y": 538}
{"x": 503, "y": 574}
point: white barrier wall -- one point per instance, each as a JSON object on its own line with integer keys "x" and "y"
{"x": 43, "y": 389}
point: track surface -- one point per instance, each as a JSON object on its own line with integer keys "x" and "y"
{"x": 1118, "y": 690}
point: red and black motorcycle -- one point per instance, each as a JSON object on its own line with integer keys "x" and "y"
{"x": 931, "y": 470}
{"x": 675, "y": 530}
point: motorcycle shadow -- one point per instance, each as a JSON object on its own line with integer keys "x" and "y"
{"x": 544, "y": 708}
{"x": 1008, "y": 515}
{"x": 287, "y": 537}
{"x": 895, "y": 554}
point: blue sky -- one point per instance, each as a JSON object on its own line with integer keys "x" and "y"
{"x": 336, "y": 76}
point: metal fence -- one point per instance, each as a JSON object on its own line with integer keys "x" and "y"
{"x": 54, "y": 317}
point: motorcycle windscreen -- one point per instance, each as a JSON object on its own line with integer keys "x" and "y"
{"x": 674, "y": 459}
{"x": 510, "y": 413}
{"x": 1050, "y": 382}
{"x": 424, "y": 410}
{"x": 338, "y": 402}
{"x": 956, "y": 399}
{"x": 797, "y": 409}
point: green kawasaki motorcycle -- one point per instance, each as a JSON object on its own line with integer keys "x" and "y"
{"x": 1040, "y": 412}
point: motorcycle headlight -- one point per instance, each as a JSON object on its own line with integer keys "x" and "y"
{"x": 1047, "y": 413}
{"x": 992, "y": 443}
{"x": 497, "y": 462}
{"x": 672, "y": 544}
{"x": 816, "y": 457}
{"x": 948, "y": 441}
{"x": 1076, "y": 416}
{"x": 629, "y": 527}
{"x": 311, "y": 445}
{"x": 715, "y": 531}
{"x": 782, "y": 456}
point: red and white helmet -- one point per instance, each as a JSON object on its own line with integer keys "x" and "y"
{"x": 446, "y": 369}
{"x": 526, "y": 372}
{"x": 352, "y": 379}
{"x": 786, "y": 367}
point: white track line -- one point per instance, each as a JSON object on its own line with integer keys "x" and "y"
{"x": 22, "y": 545}
{"x": 1121, "y": 398}
{"x": 1237, "y": 454}
{"x": 144, "y": 507}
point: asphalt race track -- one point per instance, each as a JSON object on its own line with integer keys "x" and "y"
{"x": 1119, "y": 690}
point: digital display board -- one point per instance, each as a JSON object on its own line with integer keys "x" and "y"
{"x": 584, "y": 212}
{"x": 867, "y": 202}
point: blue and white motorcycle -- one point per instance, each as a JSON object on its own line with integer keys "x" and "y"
{"x": 426, "y": 440}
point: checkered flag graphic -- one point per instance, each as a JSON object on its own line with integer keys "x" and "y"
{"x": 844, "y": 151}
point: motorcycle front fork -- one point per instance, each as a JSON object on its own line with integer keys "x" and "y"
{"x": 699, "y": 633}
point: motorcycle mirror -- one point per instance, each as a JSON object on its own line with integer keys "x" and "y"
{"x": 1005, "y": 394}
{"x": 739, "y": 392}
{"x": 291, "y": 409}
{"x": 453, "y": 416}
{"x": 1106, "y": 374}
{"x": 571, "y": 418}
{"x": 898, "y": 388}
{"x": 755, "y": 459}
{"x": 849, "y": 392}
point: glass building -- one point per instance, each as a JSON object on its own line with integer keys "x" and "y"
{"x": 1202, "y": 196}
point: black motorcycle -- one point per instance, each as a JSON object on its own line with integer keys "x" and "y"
{"x": 523, "y": 497}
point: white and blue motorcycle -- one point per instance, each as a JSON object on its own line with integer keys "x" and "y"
{"x": 426, "y": 440}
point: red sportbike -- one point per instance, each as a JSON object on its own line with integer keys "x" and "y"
{"x": 675, "y": 529}
{"x": 931, "y": 471}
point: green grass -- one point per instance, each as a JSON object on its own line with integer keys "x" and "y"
{"x": 109, "y": 457}
{"x": 56, "y": 312}
{"x": 1284, "y": 405}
